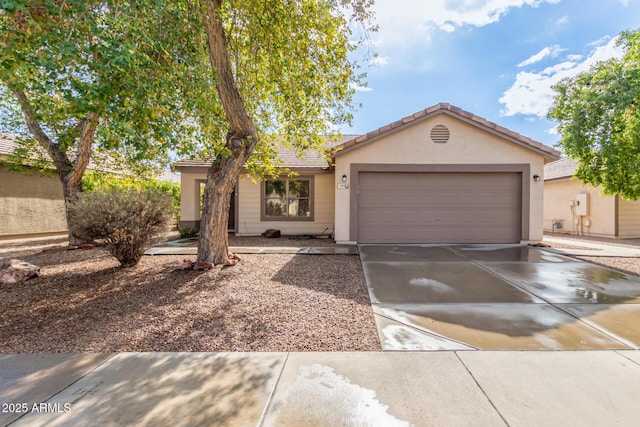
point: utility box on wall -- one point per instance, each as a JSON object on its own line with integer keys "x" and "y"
{"x": 582, "y": 204}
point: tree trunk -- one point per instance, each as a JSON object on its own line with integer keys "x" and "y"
{"x": 242, "y": 137}
{"x": 213, "y": 243}
{"x": 71, "y": 193}
{"x": 70, "y": 174}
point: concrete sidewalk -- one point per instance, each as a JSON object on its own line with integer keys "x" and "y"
{"x": 321, "y": 389}
{"x": 590, "y": 248}
{"x": 304, "y": 250}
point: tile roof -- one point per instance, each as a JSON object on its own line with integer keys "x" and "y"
{"x": 8, "y": 144}
{"x": 563, "y": 168}
{"x": 311, "y": 159}
{"x": 445, "y": 108}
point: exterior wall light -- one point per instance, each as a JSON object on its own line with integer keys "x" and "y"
{"x": 344, "y": 178}
{"x": 536, "y": 178}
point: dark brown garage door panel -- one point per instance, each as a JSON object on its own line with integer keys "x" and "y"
{"x": 465, "y": 207}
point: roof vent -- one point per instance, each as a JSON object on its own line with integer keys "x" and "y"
{"x": 440, "y": 134}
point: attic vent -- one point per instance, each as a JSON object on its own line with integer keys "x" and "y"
{"x": 440, "y": 134}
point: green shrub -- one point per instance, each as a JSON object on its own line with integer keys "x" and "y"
{"x": 187, "y": 232}
{"x": 126, "y": 220}
{"x": 93, "y": 181}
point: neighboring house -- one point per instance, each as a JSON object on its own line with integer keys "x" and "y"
{"x": 32, "y": 204}
{"x": 571, "y": 207}
{"x": 442, "y": 175}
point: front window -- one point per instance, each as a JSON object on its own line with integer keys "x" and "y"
{"x": 288, "y": 199}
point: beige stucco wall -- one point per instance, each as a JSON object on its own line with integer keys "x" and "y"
{"x": 249, "y": 209}
{"x": 600, "y": 220}
{"x": 249, "y": 199}
{"x": 412, "y": 145}
{"x": 628, "y": 218}
{"x": 30, "y": 204}
{"x": 190, "y": 195}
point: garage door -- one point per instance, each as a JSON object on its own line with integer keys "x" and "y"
{"x": 439, "y": 207}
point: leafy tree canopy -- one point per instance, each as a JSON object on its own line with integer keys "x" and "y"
{"x": 113, "y": 59}
{"x": 291, "y": 64}
{"x": 84, "y": 73}
{"x": 599, "y": 121}
{"x": 143, "y": 68}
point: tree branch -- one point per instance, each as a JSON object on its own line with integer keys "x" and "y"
{"x": 241, "y": 125}
{"x": 36, "y": 130}
{"x": 88, "y": 130}
{"x": 67, "y": 171}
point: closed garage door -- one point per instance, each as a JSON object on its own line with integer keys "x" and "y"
{"x": 439, "y": 207}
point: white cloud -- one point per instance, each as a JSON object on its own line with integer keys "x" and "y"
{"x": 380, "y": 61}
{"x": 404, "y": 22}
{"x": 624, "y": 2}
{"x": 531, "y": 93}
{"x": 448, "y": 27}
{"x": 547, "y": 51}
{"x": 601, "y": 41}
{"x": 562, "y": 20}
{"x": 361, "y": 88}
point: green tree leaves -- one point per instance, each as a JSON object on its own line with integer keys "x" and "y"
{"x": 599, "y": 121}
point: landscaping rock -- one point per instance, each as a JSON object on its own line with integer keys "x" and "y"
{"x": 272, "y": 233}
{"x": 16, "y": 271}
{"x": 185, "y": 265}
{"x": 202, "y": 265}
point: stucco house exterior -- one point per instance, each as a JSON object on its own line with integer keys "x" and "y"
{"x": 30, "y": 204}
{"x": 571, "y": 207}
{"x": 442, "y": 175}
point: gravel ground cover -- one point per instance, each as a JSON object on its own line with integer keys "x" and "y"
{"x": 634, "y": 243}
{"x": 83, "y": 302}
{"x": 627, "y": 265}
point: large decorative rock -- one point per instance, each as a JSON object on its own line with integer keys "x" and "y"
{"x": 16, "y": 271}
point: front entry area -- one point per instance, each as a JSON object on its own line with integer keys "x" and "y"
{"x": 191, "y": 205}
{"x": 439, "y": 207}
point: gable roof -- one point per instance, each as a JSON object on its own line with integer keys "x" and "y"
{"x": 457, "y": 113}
{"x": 563, "y": 168}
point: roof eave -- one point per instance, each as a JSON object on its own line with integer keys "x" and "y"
{"x": 310, "y": 170}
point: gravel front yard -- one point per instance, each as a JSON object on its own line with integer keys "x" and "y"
{"x": 84, "y": 302}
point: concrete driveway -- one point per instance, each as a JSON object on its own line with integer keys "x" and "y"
{"x": 498, "y": 297}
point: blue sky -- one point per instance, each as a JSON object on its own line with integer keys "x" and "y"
{"x": 495, "y": 58}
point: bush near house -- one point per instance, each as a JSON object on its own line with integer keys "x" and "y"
{"x": 93, "y": 181}
{"x": 125, "y": 219}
